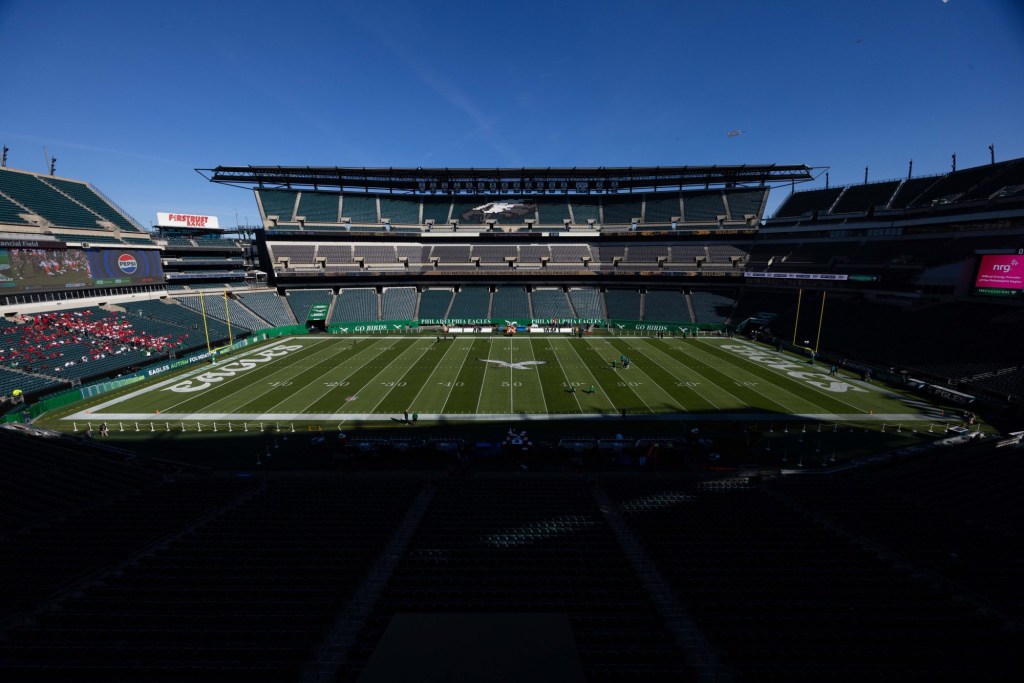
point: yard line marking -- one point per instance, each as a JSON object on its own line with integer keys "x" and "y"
{"x": 742, "y": 368}
{"x": 358, "y": 367}
{"x": 683, "y": 379}
{"x": 437, "y": 367}
{"x": 331, "y": 349}
{"x": 387, "y": 367}
{"x": 426, "y": 347}
{"x": 784, "y": 408}
{"x": 461, "y": 366}
{"x": 626, "y": 382}
{"x": 782, "y": 372}
{"x": 632, "y": 390}
{"x": 540, "y": 382}
{"x": 583, "y": 364}
{"x": 511, "y": 382}
{"x": 483, "y": 382}
{"x": 299, "y": 389}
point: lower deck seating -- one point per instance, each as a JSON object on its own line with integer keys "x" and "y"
{"x": 666, "y": 306}
{"x": 355, "y": 305}
{"x": 471, "y": 303}
{"x": 710, "y": 307}
{"x": 434, "y": 303}
{"x": 551, "y": 304}
{"x": 511, "y": 303}
{"x": 267, "y": 305}
{"x": 587, "y": 303}
{"x": 84, "y": 343}
{"x": 301, "y": 300}
{"x": 398, "y": 303}
{"x": 623, "y": 304}
{"x": 232, "y": 313}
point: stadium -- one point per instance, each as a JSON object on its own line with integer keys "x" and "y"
{"x": 516, "y": 402}
{"x": 477, "y": 342}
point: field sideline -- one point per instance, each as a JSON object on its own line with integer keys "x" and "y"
{"x": 337, "y": 379}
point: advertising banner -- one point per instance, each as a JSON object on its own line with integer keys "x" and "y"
{"x": 186, "y": 220}
{"x": 1001, "y": 271}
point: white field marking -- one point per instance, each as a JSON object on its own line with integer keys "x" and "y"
{"x": 332, "y": 348}
{"x": 689, "y": 352}
{"x": 784, "y": 374}
{"x": 461, "y": 366}
{"x": 568, "y": 382}
{"x": 589, "y": 372}
{"x": 288, "y": 371}
{"x": 359, "y": 366}
{"x": 483, "y": 382}
{"x": 145, "y": 418}
{"x": 243, "y": 385}
{"x": 784, "y": 408}
{"x": 604, "y": 392}
{"x": 354, "y": 391}
{"x": 511, "y": 381}
{"x": 177, "y": 378}
{"x": 687, "y": 368}
{"x": 536, "y": 372}
{"x": 440, "y": 364}
{"x": 389, "y": 391}
{"x": 653, "y": 383}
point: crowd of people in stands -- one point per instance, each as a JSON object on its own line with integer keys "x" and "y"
{"x": 51, "y": 342}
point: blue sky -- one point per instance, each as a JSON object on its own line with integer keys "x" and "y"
{"x": 132, "y": 96}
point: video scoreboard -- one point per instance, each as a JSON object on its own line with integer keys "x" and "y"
{"x": 33, "y": 266}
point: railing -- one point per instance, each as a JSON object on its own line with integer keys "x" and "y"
{"x": 138, "y": 226}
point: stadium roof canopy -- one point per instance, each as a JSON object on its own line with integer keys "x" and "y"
{"x": 505, "y": 180}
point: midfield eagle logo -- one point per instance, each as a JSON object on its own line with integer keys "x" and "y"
{"x": 521, "y": 365}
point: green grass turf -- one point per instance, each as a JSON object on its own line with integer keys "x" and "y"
{"x": 337, "y": 380}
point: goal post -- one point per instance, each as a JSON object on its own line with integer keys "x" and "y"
{"x": 206, "y": 328}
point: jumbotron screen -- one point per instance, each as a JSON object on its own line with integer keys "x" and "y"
{"x": 1000, "y": 275}
{"x": 124, "y": 266}
{"x": 40, "y": 269}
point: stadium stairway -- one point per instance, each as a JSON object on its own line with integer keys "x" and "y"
{"x": 699, "y": 652}
{"x": 448, "y": 311}
{"x": 333, "y": 654}
{"x": 331, "y": 305}
{"x": 689, "y": 307}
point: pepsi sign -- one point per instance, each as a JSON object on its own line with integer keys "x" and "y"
{"x": 127, "y": 264}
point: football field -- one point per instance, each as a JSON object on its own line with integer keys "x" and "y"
{"x": 330, "y": 379}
